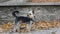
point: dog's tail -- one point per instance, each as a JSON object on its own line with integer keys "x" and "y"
{"x": 14, "y": 13}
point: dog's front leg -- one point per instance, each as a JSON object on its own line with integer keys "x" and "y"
{"x": 30, "y": 25}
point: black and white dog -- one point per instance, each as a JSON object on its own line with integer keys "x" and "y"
{"x": 29, "y": 19}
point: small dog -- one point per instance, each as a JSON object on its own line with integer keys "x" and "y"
{"x": 29, "y": 19}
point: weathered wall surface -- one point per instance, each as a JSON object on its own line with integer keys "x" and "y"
{"x": 42, "y": 12}
{"x": 45, "y": 0}
{"x": 3, "y": 0}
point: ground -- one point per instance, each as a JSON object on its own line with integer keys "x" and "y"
{"x": 50, "y": 31}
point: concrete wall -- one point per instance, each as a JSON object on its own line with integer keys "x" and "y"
{"x": 45, "y": 0}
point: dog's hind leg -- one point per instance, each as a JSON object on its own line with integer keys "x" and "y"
{"x": 14, "y": 27}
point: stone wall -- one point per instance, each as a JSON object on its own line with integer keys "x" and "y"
{"x": 41, "y": 12}
{"x": 3, "y": 1}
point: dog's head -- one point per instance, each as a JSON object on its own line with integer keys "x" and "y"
{"x": 30, "y": 14}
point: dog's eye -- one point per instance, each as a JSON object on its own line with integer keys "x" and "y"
{"x": 29, "y": 14}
